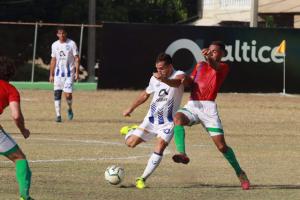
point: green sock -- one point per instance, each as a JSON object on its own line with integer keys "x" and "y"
{"x": 23, "y": 175}
{"x": 179, "y": 138}
{"x": 229, "y": 155}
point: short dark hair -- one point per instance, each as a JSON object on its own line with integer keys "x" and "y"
{"x": 164, "y": 57}
{"x": 7, "y": 68}
{"x": 219, "y": 44}
{"x": 61, "y": 28}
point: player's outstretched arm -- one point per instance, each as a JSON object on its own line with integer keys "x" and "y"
{"x": 187, "y": 81}
{"x": 18, "y": 118}
{"x": 140, "y": 100}
{"x": 175, "y": 82}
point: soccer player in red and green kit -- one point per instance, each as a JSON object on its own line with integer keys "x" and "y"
{"x": 205, "y": 81}
{"x": 9, "y": 96}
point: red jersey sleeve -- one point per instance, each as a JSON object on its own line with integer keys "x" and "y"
{"x": 8, "y": 93}
{"x": 13, "y": 94}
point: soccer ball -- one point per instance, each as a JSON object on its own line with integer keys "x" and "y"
{"x": 114, "y": 174}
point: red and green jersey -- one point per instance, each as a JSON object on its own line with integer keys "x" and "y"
{"x": 207, "y": 81}
{"x": 8, "y": 93}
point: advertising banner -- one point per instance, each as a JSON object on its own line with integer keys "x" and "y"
{"x": 129, "y": 52}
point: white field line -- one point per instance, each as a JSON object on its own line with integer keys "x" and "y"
{"x": 274, "y": 94}
{"x": 28, "y": 99}
{"x": 143, "y": 145}
{"x": 88, "y": 159}
{"x": 83, "y": 141}
{"x": 82, "y": 159}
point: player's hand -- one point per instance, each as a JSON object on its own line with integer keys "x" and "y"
{"x": 25, "y": 133}
{"x": 51, "y": 78}
{"x": 159, "y": 76}
{"x": 127, "y": 112}
{"x": 76, "y": 76}
{"x": 206, "y": 52}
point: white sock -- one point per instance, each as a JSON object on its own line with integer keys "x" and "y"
{"x": 57, "y": 107}
{"x": 69, "y": 102}
{"x": 153, "y": 163}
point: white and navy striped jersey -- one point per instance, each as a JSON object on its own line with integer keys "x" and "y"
{"x": 65, "y": 57}
{"x": 166, "y": 100}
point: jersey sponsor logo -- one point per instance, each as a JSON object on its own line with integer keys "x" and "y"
{"x": 163, "y": 92}
{"x": 240, "y": 51}
{"x": 162, "y": 95}
{"x": 62, "y": 54}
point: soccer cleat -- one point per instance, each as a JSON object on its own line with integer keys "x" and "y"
{"x": 70, "y": 114}
{"x": 58, "y": 119}
{"x": 29, "y": 198}
{"x": 140, "y": 183}
{"x": 245, "y": 183}
{"x": 126, "y": 129}
{"x": 181, "y": 158}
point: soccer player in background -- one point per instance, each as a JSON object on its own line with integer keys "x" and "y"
{"x": 64, "y": 68}
{"x": 167, "y": 86}
{"x": 9, "y": 96}
{"x": 205, "y": 81}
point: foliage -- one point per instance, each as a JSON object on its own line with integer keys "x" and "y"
{"x": 76, "y": 11}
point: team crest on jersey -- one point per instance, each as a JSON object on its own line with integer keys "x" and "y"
{"x": 68, "y": 47}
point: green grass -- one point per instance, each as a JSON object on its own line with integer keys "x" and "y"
{"x": 68, "y": 160}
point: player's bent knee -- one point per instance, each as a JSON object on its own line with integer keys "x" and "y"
{"x": 161, "y": 145}
{"x": 57, "y": 94}
{"x": 18, "y": 155}
{"x": 131, "y": 142}
{"x": 68, "y": 96}
{"x": 222, "y": 148}
{"x": 180, "y": 119}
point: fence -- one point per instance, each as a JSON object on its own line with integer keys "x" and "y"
{"x": 31, "y": 43}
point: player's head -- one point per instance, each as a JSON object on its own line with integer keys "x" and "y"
{"x": 217, "y": 49}
{"x": 164, "y": 64}
{"x": 7, "y": 68}
{"x": 61, "y": 33}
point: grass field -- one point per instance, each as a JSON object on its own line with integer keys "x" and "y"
{"x": 68, "y": 160}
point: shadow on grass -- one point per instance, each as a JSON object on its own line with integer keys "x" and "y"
{"x": 252, "y": 187}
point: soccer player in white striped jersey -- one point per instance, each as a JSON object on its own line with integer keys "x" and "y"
{"x": 167, "y": 87}
{"x": 64, "y": 68}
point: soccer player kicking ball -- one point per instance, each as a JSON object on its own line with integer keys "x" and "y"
{"x": 167, "y": 88}
{"x": 205, "y": 81}
{"x": 9, "y": 96}
{"x": 64, "y": 68}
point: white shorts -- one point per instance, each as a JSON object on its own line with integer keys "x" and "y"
{"x": 6, "y": 142}
{"x": 147, "y": 131}
{"x": 204, "y": 112}
{"x": 63, "y": 83}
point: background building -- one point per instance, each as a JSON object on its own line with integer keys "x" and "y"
{"x": 283, "y": 13}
